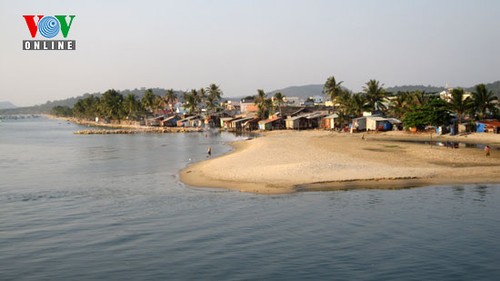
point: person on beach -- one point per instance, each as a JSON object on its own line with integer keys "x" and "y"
{"x": 487, "y": 150}
{"x": 209, "y": 151}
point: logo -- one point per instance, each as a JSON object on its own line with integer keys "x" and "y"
{"x": 49, "y": 27}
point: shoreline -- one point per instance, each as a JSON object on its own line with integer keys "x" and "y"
{"x": 290, "y": 161}
{"x": 121, "y": 128}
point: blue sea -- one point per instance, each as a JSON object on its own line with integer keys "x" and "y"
{"x": 111, "y": 207}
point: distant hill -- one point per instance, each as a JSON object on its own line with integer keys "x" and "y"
{"x": 494, "y": 87}
{"x": 46, "y": 107}
{"x": 411, "y": 88}
{"x": 304, "y": 91}
{"x": 6, "y": 104}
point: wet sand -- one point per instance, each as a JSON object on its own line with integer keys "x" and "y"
{"x": 290, "y": 161}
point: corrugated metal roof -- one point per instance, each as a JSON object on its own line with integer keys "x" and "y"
{"x": 333, "y": 116}
{"x": 269, "y": 120}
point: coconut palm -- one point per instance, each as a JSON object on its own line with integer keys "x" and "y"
{"x": 148, "y": 100}
{"x": 262, "y": 103}
{"x": 332, "y": 89}
{"x": 131, "y": 106}
{"x": 399, "y": 104}
{"x": 111, "y": 105}
{"x": 458, "y": 103}
{"x": 419, "y": 98}
{"x": 279, "y": 98}
{"x": 358, "y": 104}
{"x": 192, "y": 100}
{"x": 170, "y": 98}
{"x": 375, "y": 95}
{"x": 213, "y": 97}
{"x": 483, "y": 101}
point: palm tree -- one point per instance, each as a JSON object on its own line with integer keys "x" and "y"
{"x": 262, "y": 104}
{"x": 375, "y": 95}
{"x": 399, "y": 104}
{"x": 279, "y": 99}
{"x": 170, "y": 98}
{"x": 192, "y": 100}
{"x": 213, "y": 97}
{"x": 419, "y": 98}
{"x": 332, "y": 89}
{"x": 358, "y": 104}
{"x": 458, "y": 103}
{"x": 158, "y": 104}
{"x": 483, "y": 101}
{"x": 148, "y": 100}
{"x": 111, "y": 105}
{"x": 131, "y": 106}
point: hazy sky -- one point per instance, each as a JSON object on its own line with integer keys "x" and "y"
{"x": 247, "y": 45}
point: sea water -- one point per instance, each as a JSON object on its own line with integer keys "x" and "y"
{"x": 111, "y": 207}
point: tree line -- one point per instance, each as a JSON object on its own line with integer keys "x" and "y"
{"x": 112, "y": 105}
{"x": 415, "y": 108}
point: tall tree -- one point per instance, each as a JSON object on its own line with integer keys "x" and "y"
{"x": 279, "y": 98}
{"x": 358, "y": 104}
{"x": 375, "y": 95}
{"x": 332, "y": 89}
{"x": 87, "y": 107}
{"x": 434, "y": 113}
{"x": 399, "y": 104}
{"x": 213, "y": 98}
{"x": 131, "y": 106}
{"x": 170, "y": 98}
{"x": 263, "y": 104}
{"x": 418, "y": 98}
{"x": 111, "y": 105}
{"x": 192, "y": 100}
{"x": 483, "y": 101}
{"x": 148, "y": 100}
{"x": 458, "y": 103}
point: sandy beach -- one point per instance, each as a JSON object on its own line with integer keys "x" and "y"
{"x": 290, "y": 161}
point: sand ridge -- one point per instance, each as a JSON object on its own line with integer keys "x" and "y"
{"x": 288, "y": 161}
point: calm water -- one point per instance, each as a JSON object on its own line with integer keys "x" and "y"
{"x": 110, "y": 207}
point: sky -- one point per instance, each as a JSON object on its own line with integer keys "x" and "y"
{"x": 245, "y": 45}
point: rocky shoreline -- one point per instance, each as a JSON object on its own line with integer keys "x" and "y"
{"x": 124, "y": 128}
{"x": 137, "y": 131}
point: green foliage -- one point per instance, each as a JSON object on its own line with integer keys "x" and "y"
{"x": 264, "y": 104}
{"x": 61, "y": 111}
{"x": 375, "y": 95}
{"x": 434, "y": 113}
{"x": 484, "y": 103}
{"x": 111, "y": 105}
{"x": 87, "y": 108}
{"x": 278, "y": 100}
{"x": 332, "y": 89}
{"x": 132, "y": 107}
{"x": 212, "y": 100}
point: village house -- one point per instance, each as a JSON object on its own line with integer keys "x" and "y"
{"x": 488, "y": 126}
{"x": 274, "y": 123}
{"x": 248, "y": 105}
{"x": 330, "y": 123}
{"x": 305, "y": 121}
{"x": 374, "y": 123}
{"x": 191, "y": 121}
{"x": 170, "y": 121}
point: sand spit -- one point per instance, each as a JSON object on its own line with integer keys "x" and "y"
{"x": 290, "y": 161}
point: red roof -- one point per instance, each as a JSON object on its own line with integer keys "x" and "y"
{"x": 494, "y": 123}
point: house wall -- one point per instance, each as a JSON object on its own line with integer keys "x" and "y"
{"x": 361, "y": 124}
